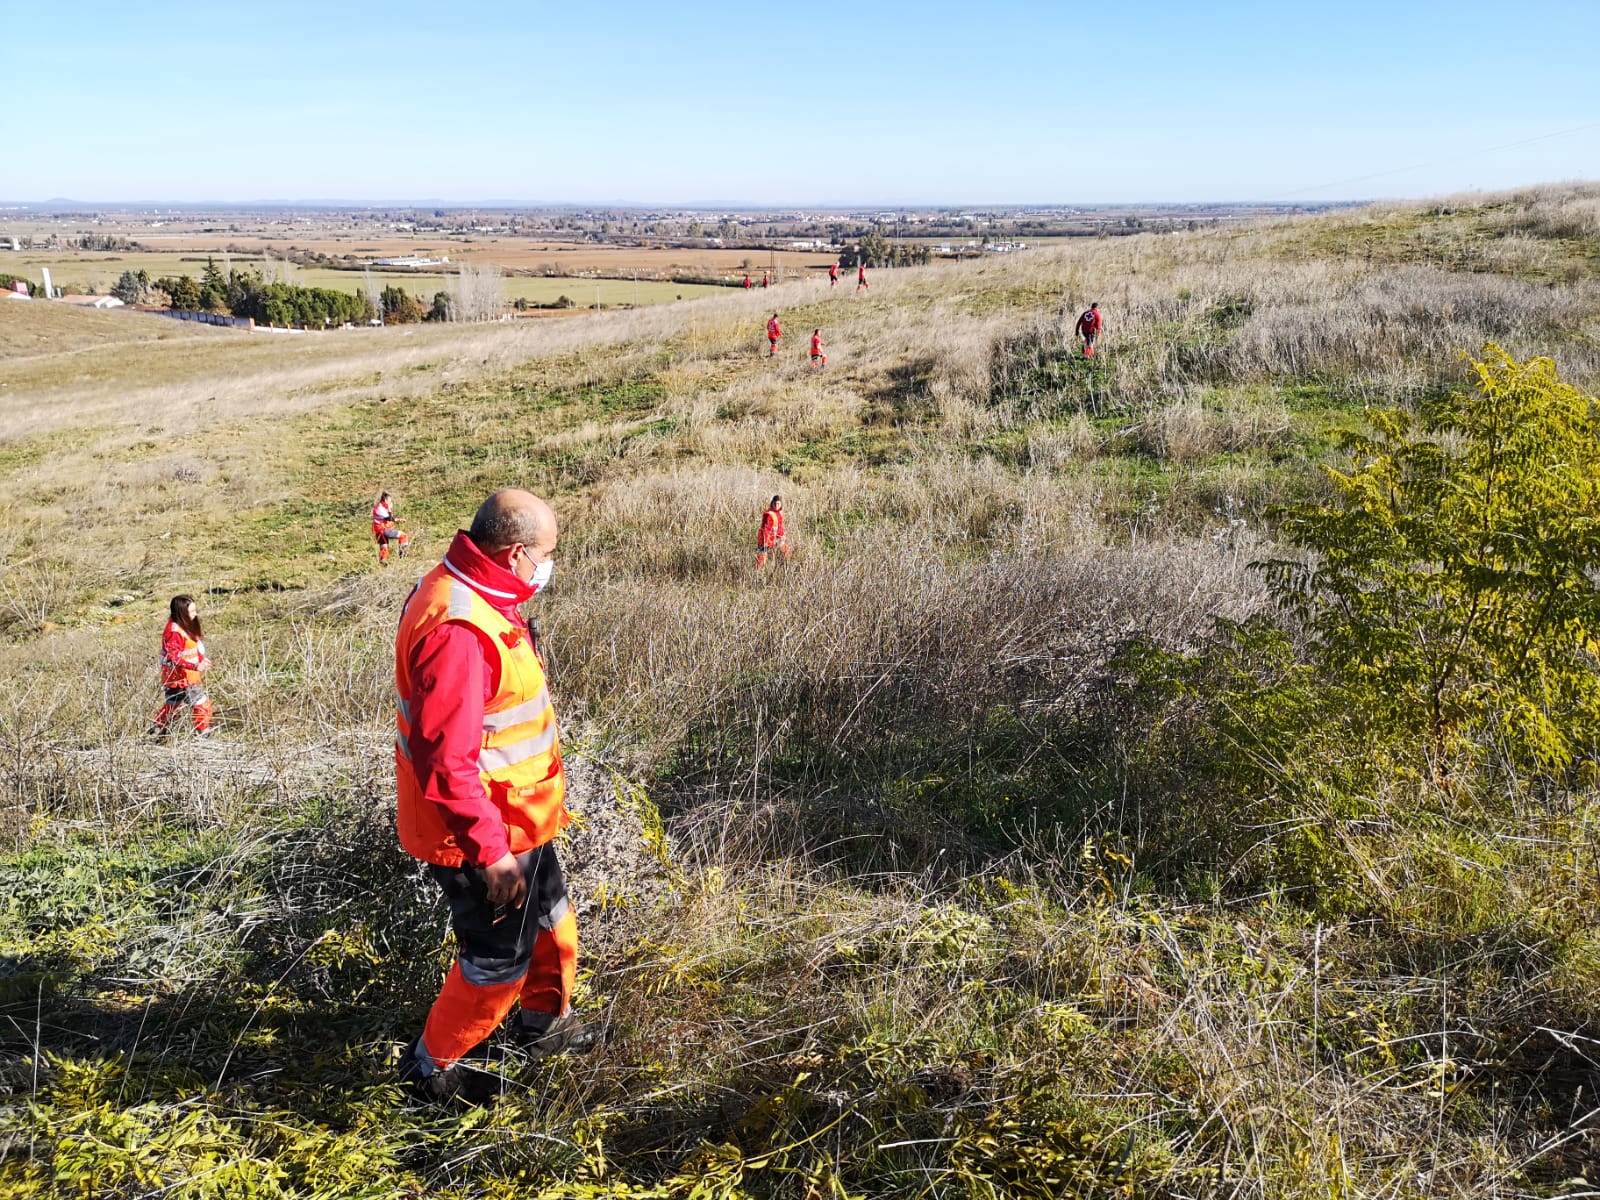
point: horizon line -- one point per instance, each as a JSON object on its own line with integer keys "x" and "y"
{"x": 676, "y": 206}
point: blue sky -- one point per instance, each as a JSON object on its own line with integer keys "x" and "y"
{"x": 832, "y": 103}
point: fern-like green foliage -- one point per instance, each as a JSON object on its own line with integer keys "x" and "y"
{"x": 1451, "y": 586}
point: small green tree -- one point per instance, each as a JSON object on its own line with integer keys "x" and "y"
{"x": 874, "y": 249}
{"x": 127, "y": 288}
{"x": 1447, "y": 626}
{"x": 400, "y": 307}
{"x": 1451, "y": 586}
{"x": 182, "y": 292}
{"x": 213, "y": 289}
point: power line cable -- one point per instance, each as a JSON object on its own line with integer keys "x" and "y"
{"x": 1442, "y": 161}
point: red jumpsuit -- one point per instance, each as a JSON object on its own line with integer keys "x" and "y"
{"x": 771, "y": 536}
{"x": 386, "y": 529}
{"x": 1089, "y": 329}
{"x": 183, "y": 663}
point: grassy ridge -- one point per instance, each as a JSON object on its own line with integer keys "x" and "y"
{"x": 943, "y": 913}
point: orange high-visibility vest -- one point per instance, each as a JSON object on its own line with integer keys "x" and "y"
{"x": 184, "y": 670}
{"x": 520, "y": 761}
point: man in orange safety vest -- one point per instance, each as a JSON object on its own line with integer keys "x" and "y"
{"x": 481, "y": 796}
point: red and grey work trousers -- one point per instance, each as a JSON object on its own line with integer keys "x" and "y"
{"x": 506, "y": 955}
{"x": 176, "y": 698}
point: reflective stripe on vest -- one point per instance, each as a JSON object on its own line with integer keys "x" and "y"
{"x": 509, "y": 756}
{"x": 516, "y": 715}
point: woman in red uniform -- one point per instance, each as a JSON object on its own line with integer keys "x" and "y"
{"x": 183, "y": 664}
{"x": 819, "y": 357}
{"x": 386, "y": 529}
{"x": 771, "y": 536}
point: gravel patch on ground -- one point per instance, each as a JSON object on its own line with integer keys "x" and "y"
{"x": 616, "y": 859}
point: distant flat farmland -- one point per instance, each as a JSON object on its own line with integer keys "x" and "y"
{"x": 99, "y": 270}
{"x": 520, "y": 253}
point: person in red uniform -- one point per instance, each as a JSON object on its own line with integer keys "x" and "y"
{"x": 1089, "y": 328}
{"x": 183, "y": 667}
{"x": 481, "y": 795}
{"x": 771, "y": 537}
{"x": 386, "y": 529}
{"x": 765, "y": 281}
{"x": 747, "y": 283}
{"x": 833, "y": 274}
{"x": 818, "y": 358}
{"x": 774, "y": 332}
{"x": 861, "y": 276}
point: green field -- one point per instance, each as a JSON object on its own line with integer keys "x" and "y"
{"x": 99, "y": 271}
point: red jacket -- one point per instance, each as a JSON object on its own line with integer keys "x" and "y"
{"x": 183, "y": 658}
{"x": 771, "y": 528}
{"x": 816, "y": 343}
{"x": 1089, "y": 323}
{"x": 861, "y": 273}
{"x": 774, "y": 332}
{"x": 452, "y": 678}
{"x": 833, "y": 271}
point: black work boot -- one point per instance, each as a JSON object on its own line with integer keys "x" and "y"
{"x": 457, "y": 1082}
{"x": 539, "y": 1035}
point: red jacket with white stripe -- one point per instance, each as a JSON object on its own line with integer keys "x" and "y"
{"x": 453, "y": 675}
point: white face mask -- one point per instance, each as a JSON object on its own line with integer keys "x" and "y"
{"x": 541, "y": 575}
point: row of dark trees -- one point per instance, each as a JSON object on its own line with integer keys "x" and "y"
{"x": 247, "y": 294}
{"x": 878, "y": 251}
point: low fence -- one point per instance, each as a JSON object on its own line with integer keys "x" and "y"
{"x": 207, "y": 318}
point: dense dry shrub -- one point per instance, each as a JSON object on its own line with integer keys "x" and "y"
{"x": 1556, "y": 212}
{"x": 888, "y": 663}
{"x": 1197, "y": 426}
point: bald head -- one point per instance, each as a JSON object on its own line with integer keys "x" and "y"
{"x": 512, "y": 516}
